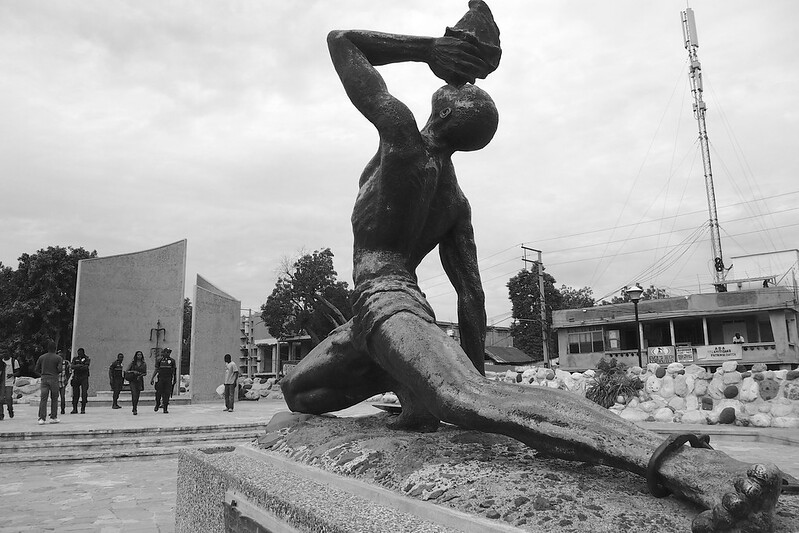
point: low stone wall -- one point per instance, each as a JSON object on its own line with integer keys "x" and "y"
{"x": 689, "y": 395}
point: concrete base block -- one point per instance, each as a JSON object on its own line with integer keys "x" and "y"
{"x": 243, "y": 489}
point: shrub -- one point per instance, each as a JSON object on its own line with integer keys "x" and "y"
{"x": 611, "y": 380}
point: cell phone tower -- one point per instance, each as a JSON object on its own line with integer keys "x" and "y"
{"x": 691, "y": 43}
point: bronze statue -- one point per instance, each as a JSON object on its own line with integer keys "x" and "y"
{"x": 409, "y": 202}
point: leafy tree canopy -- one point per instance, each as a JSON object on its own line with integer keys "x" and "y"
{"x": 572, "y": 298}
{"x": 37, "y": 300}
{"x": 524, "y": 294}
{"x": 307, "y": 297}
{"x": 650, "y": 293}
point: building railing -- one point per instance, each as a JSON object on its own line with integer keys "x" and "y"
{"x": 758, "y": 346}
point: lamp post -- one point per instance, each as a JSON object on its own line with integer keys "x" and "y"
{"x": 635, "y": 293}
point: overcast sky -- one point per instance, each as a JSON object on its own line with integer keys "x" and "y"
{"x": 130, "y": 125}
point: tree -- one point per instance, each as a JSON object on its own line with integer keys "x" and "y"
{"x": 307, "y": 297}
{"x": 38, "y": 300}
{"x": 576, "y": 298}
{"x": 526, "y": 310}
{"x": 185, "y": 347}
{"x": 650, "y": 293}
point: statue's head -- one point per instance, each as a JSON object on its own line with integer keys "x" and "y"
{"x": 463, "y": 118}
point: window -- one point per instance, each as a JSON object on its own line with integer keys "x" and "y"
{"x": 613, "y": 339}
{"x": 584, "y": 340}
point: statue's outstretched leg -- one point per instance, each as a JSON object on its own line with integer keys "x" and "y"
{"x": 336, "y": 375}
{"x": 333, "y": 376}
{"x": 439, "y": 375}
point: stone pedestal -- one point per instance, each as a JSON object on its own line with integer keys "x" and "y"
{"x": 326, "y": 474}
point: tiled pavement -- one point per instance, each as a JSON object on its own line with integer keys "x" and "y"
{"x": 139, "y": 495}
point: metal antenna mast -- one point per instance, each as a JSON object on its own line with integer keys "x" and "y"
{"x": 691, "y": 43}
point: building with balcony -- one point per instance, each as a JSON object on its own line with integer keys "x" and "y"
{"x": 264, "y": 356}
{"x": 695, "y": 329}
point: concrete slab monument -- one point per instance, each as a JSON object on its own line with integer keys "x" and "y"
{"x": 215, "y": 321}
{"x": 129, "y": 302}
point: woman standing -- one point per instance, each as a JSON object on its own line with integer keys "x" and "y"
{"x": 135, "y": 376}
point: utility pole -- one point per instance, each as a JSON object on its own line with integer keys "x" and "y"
{"x": 691, "y": 43}
{"x": 540, "y": 264}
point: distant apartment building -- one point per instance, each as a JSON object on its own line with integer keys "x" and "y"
{"x": 695, "y": 329}
{"x": 263, "y": 355}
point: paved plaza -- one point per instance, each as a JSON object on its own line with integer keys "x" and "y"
{"x": 139, "y": 495}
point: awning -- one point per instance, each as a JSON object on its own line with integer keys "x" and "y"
{"x": 507, "y": 355}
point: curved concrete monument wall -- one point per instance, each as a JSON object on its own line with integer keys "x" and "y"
{"x": 215, "y": 331}
{"x": 119, "y": 302}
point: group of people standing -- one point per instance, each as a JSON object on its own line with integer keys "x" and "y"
{"x": 57, "y": 369}
{"x": 164, "y": 378}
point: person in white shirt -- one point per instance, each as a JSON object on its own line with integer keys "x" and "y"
{"x": 231, "y": 378}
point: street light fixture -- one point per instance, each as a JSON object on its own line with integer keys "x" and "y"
{"x": 635, "y": 293}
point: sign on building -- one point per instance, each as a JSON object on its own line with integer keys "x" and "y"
{"x": 685, "y": 354}
{"x": 661, "y": 355}
{"x": 719, "y": 352}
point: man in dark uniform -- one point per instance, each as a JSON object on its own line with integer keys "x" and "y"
{"x": 80, "y": 381}
{"x": 116, "y": 378}
{"x": 166, "y": 370}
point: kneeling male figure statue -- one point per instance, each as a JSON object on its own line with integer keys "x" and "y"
{"x": 409, "y": 202}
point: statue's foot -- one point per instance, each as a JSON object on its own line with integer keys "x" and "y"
{"x": 748, "y": 508}
{"x": 414, "y": 416}
{"x": 423, "y": 422}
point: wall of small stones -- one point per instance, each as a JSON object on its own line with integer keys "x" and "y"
{"x": 677, "y": 393}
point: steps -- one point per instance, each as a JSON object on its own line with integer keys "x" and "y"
{"x": 106, "y": 398}
{"x": 112, "y": 444}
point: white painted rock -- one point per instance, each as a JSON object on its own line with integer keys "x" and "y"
{"x": 726, "y": 402}
{"x": 664, "y": 414}
{"x": 760, "y": 420}
{"x": 785, "y": 422}
{"x": 390, "y": 397}
{"x": 681, "y": 385}
{"x": 754, "y": 407}
{"x": 781, "y": 410}
{"x": 731, "y": 378}
{"x": 649, "y": 406}
{"x": 634, "y": 415}
{"x": 716, "y": 387}
{"x": 693, "y": 417}
{"x": 677, "y": 403}
{"x": 653, "y": 384}
{"x": 729, "y": 366}
{"x": 667, "y": 387}
{"x": 691, "y": 403}
{"x": 675, "y": 368}
{"x": 694, "y": 370}
{"x": 700, "y": 387}
{"x": 749, "y": 391}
